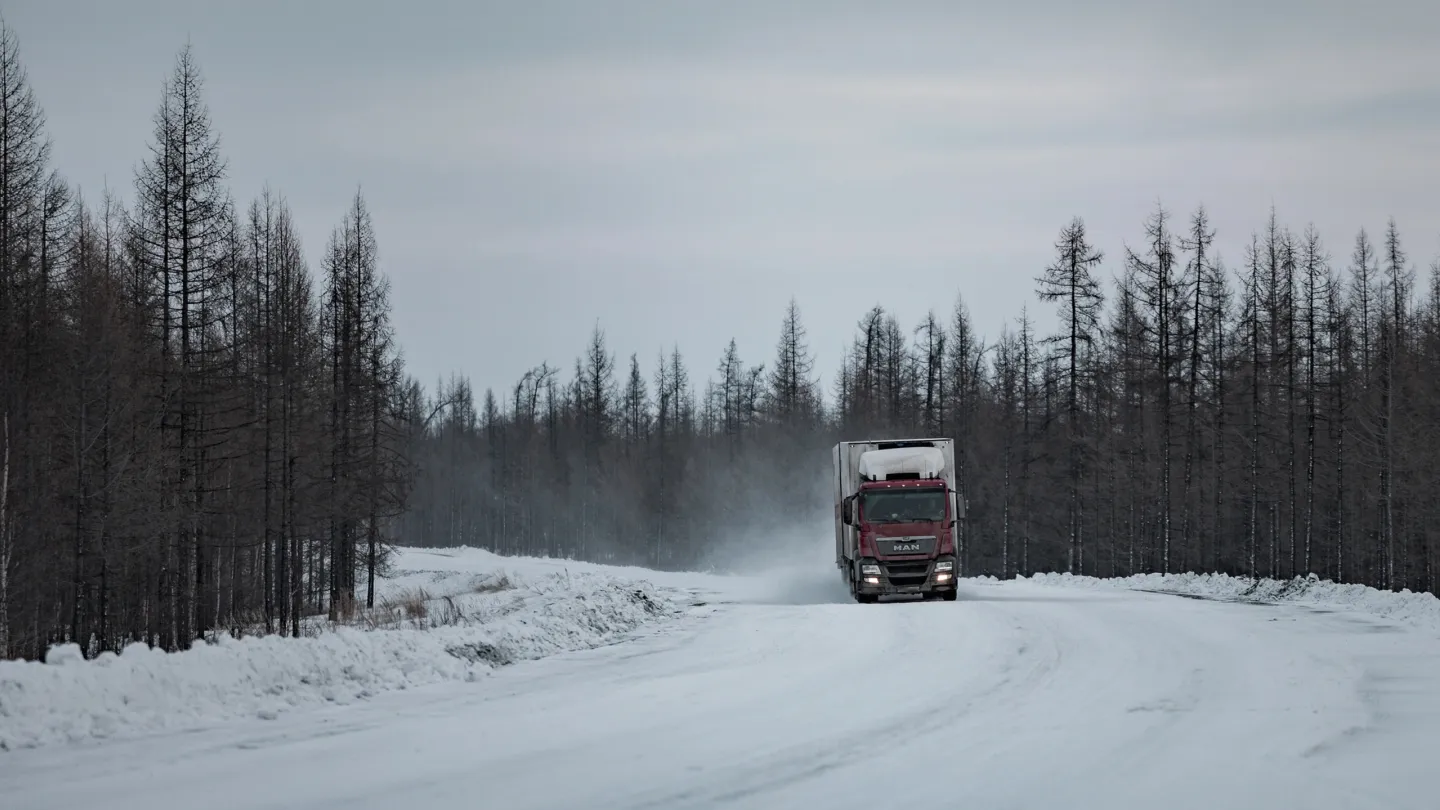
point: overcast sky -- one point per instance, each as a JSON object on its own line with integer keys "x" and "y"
{"x": 676, "y": 171}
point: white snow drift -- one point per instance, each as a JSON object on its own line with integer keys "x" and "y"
{"x": 1420, "y": 610}
{"x": 461, "y": 625}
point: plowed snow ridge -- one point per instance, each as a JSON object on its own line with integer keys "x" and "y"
{"x": 1415, "y": 609}
{"x": 490, "y": 618}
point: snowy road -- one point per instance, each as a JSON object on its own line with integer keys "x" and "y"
{"x": 1018, "y": 696}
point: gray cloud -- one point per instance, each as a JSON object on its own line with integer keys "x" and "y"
{"x": 677, "y": 170}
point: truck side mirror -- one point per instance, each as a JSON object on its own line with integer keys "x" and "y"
{"x": 845, "y": 511}
{"x": 957, "y": 507}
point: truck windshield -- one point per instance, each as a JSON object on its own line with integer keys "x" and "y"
{"x": 903, "y": 505}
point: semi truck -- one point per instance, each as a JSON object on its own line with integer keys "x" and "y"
{"x": 896, "y": 512}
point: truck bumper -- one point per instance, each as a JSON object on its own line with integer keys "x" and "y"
{"x": 899, "y": 578}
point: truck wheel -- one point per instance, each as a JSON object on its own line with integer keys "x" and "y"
{"x": 950, "y": 595}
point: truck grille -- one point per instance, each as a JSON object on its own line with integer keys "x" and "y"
{"x": 896, "y": 546}
{"x": 907, "y": 573}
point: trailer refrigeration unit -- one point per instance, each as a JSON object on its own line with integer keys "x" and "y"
{"x": 896, "y": 510}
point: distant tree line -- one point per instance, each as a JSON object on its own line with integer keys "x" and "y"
{"x": 1273, "y": 420}
{"x": 192, "y": 435}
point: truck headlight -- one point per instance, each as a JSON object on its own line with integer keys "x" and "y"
{"x": 870, "y": 570}
{"x": 944, "y": 566}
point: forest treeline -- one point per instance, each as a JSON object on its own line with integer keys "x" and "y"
{"x": 199, "y": 433}
{"x": 1274, "y": 419}
{"x": 194, "y": 433}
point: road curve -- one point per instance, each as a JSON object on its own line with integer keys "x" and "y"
{"x": 1016, "y": 696}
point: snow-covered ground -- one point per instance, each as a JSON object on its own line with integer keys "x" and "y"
{"x": 640, "y": 689}
{"x": 1419, "y": 610}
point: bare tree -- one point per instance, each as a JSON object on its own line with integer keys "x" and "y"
{"x": 1314, "y": 280}
{"x": 1158, "y": 283}
{"x": 5, "y": 547}
{"x": 1069, "y": 280}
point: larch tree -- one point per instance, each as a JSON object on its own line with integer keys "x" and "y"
{"x": 1070, "y": 280}
{"x": 1158, "y": 285}
{"x": 178, "y": 231}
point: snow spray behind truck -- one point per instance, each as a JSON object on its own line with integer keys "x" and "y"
{"x": 896, "y": 510}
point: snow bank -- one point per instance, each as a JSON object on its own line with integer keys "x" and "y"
{"x": 459, "y": 627}
{"x": 1408, "y": 607}
{"x": 446, "y": 566}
